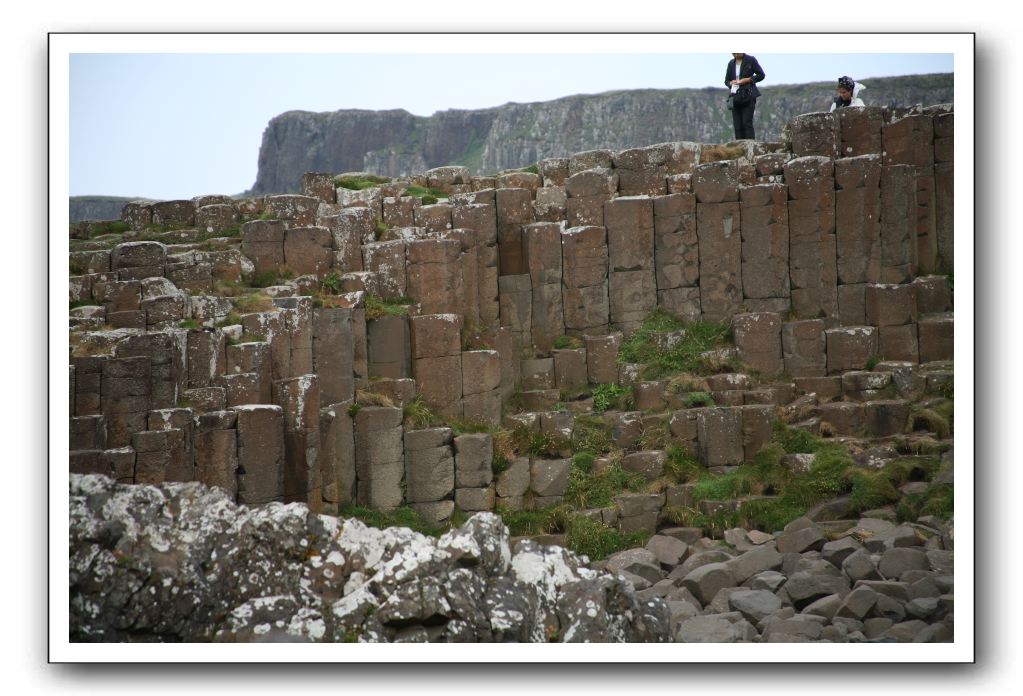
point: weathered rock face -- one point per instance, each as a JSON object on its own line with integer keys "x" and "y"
{"x": 396, "y": 142}
{"x": 182, "y": 562}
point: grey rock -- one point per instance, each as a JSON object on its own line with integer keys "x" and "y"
{"x": 641, "y": 562}
{"x": 707, "y": 629}
{"x": 922, "y": 608}
{"x": 698, "y": 559}
{"x": 805, "y": 588}
{"x": 215, "y": 571}
{"x": 859, "y": 566}
{"x": 754, "y": 604}
{"x": 769, "y": 580}
{"x": 825, "y": 607}
{"x": 668, "y": 550}
{"x": 835, "y": 552}
{"x": 896, "y": 561}
{"x": 760, "y": 559}
{"x": 858, "y": 603}
{"x": 707, "y": 580}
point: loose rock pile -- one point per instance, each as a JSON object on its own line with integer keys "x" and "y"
{"x": 872, "y": 581}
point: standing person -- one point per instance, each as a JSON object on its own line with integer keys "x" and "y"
{"x": 847, "y": 93}
{"x": 741, "y": 77}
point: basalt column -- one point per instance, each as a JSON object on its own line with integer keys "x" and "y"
{"x": 585, "y": 295}
{"x": 718, "y": 229}
{"x": 677, "y": 255}
{"x": 857, "y": 232}
{"x": 813, "y": 272}
{"x": 765, "y": 248}
{"x": 543, "y": 258}
{"x": 632, "y": 285}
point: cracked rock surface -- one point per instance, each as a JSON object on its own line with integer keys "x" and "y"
{"x": 182, "y": 562}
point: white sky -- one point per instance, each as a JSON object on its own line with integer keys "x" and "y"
{"x": 165, "y": 125}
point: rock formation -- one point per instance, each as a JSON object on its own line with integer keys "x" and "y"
{"x": 396, "y": 143}
{"x": 621, "y": 352}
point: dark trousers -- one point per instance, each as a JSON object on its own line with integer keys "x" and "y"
{"x": 743, "y": 120}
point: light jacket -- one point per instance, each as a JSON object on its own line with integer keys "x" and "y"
{"x": 855, "y": 101}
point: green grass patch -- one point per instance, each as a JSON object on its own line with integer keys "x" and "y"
{"x": 591, "y": 435}
{"x": 358, "y": 183}
{"x": 419, "y": 415}
{"x": 263, "y": 279}
{"x": 107, "y": 227}
{"x": 399, "y": 517}
{"x": 608, "y": 396}
{"x": 189, "y": 324}
{"x": 680, "y": 467}
{"x": 931, "y": 421}
{"x": 267, "y": 215}
{"x": 537, "y": 443}
{"x": 587, "y": 489}
{"x": 232, "y": 319}
{"x": 684, "y": 356}
{"x": 697, "y": 400}
{"x": 377, "y": 307}
{"x": 429, "y": 196}
{"x": 794, "y": 440}
{"x": 590, "y": 538}
{"x": 331, "y": 283}
{"x": 552, "y": 520}
{"x": 567, "y": 342}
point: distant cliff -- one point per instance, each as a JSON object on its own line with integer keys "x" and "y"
{"x": 517, "y": 135}
{"x": 98, "y": 207}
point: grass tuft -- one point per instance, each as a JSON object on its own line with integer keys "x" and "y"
{"x": 611, "y": 396}
{"x": 684, "y": 356}
{"x": 377, "y": 307}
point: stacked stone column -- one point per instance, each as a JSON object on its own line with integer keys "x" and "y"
{"x": 543, "y": 257}
{"x": 337, "y": 455}
{"x": 909, "y": 141}
{"x": 765, "y": 248}
{"x": 437, "y": 361}
{"x": 435, "y": 275}
{"x": 944, "y": 190}
{"x": 587, "y": 306}
{"x": 216, "y": 450}
{"x": 587, "y": 192}
{"x": 379, "y": 457}
{"x": 893, "y": 310}
{"x": 387, "y": 261}
{"x": 858, "y": 232}
{"x": 299, "y": 399}
{"x": 812, "y": 245}
{"x": 430, "y": 473}
{"x": 718, "y": 229}
{"x": 260, "y": 432}
{"x": 632, "y": 284}
{"x": 478, "y": 213}
{"x": 677, "y": 255}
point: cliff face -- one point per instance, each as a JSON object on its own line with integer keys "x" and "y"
{"x": 98, "y": 207}
{"x": 396, "y": 142}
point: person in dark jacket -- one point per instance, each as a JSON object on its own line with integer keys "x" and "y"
{"x": 743, "y": 69}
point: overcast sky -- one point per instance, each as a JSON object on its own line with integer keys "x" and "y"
{"x": 176, "y": 125}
